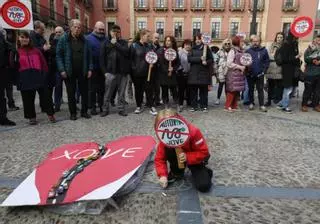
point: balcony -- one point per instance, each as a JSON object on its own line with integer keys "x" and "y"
{"x": 141, "y": 5}
{"x": 160, "y": 5}
{"x": 217, "y": 5}
{"x": 179, "y": 5}
{"x": 110, "y": 5}
{"x": 237, "y": 5}
{"x": 260, "y": 7}
{"x": 290, "y": 5}
{"x": 198, "y": 5}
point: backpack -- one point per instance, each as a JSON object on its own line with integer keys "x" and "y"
{"x": 278, "y": 57}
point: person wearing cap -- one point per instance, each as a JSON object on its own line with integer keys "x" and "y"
{"x": 195, "y": 156}
{"x": 114, "y": 63}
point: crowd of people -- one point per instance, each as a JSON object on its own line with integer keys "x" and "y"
{"x": 101, "y": 67}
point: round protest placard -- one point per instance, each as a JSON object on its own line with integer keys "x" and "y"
{"x": 170, "y": 54}
{"x": 206, "y": 39}
{"x": 173, "y": 131}
{"x": 301, "y": 26}
{"x": 246, "y": 59}
{"x": 16, "y": 14}
{"x": 151, "y": 57}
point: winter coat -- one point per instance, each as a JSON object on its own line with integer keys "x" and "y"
{"x": 200, "y": 74}
{"x": 184, "y": 63}
{"x": 235, "y": 79}
{"x": 95, "y": 44}
{"x": 274, "y": 71}
{"x": 222, "y": 65}
{"x": 288, "y": 53}
{"x": 196, "y": 151}
{"x": 139, "y": 66}
{"x": 33, "y": 69}
{"x": 112, "y": 54}
{"x": 4, "y": 61}
{"x": 260, "y": 61}
{"x": 163, "y": 66}
{"x": 64, "y": 55}
{"x": 310, "y": 54}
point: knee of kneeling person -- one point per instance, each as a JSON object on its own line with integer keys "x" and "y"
{"x": 204, "y": 187}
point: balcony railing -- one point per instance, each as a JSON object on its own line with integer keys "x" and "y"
{"x": 179, "y": 5}
{"x": 217, "y": 5}
{"x": 260, "y": 7}
{"x": 141, "y": 5}
{"x": 160, "y": 5}
{"x": 110, "y": 5}
{"x": 198, "y": 5}
{"x": 290, "y": 5}
{"x": 236, "y": 5}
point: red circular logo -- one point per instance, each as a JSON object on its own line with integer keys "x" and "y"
{"x": 302, "y": 26}
{"x": 16, "y": 14}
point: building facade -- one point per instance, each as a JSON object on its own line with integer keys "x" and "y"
{"x": 219, "y": 18}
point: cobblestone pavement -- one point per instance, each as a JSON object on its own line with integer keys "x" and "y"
{"x": 249, "y": 149}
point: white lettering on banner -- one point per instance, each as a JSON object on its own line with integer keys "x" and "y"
{"x": 126, "y": 153}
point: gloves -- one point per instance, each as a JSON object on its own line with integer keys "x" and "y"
{"x": 163, "y": 181}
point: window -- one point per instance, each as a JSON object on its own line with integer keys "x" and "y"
{"x": 215, "y": 29}
{"x": 142, "y": 25}
{"x": 110, "y": 25}
{"x": 160, "y": 28}
{"x": 178, "y": 30}
{"x": 216, "y": 3}
{"x": 198, "y": 3}
{"x": 236, "y": 4}
{"x": 77, "y": 15}
{"x": 289, "y": 3}
{"x": 196, "y": 28}
{"x": 179, "y": 4}
{"x": 52, "y": 9}
{"x": 110, "y": 4}
{"x": 66, "y": 14}
{"x": 286, "y": 28}
{"x": 234, "y": 28}
{"x": 160, "y": 4}
{"x": 141, "y": 3}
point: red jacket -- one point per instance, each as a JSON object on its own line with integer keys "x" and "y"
{"x": 196, "y": 151}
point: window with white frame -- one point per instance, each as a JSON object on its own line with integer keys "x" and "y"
{"x": 179, "y": 3}
{"x": 142, "y": 25}
{"x": 216, "y": 3}
{"x": 77, "y": 14}
{"x": 142, "y": 3}
{"x": 236, "y": 4}
{"x": 198, "y": 3}
{"x": 196, "y": 28}
{"x": 52, "y": 10}
{"x": 66, "y": 13}
{"x": 215, "y": 29}
{"x": 160, "y": 28}
{"x": 289, "y": 3}
{"x": 161, "y": 3}
{"x": 286, "y": 28}
{"x": 178, "y": 26}
{"x": 234, "y": 28}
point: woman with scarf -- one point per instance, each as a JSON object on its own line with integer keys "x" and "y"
{"x": 168, "y": 75}
{"x": 273, "y": 74}
{"x": 200, "y": 74}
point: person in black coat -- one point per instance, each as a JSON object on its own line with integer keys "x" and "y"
{"x": 290, "y": 62}
{"x": 200, "y": 74}
{"x": 167, "y": 75}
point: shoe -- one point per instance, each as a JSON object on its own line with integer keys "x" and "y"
{"x": 57, "y": 109}
{"x": 52, "y": 119}
{"x": 113, "y": 104}
{"x": 229, "y": 109}
{"x": 246, "y": 103}
{"x": 205, "y": 110}
{"x": 94, "y": 112}
{"x": 287, "y": 110}
{"x": 123, "y": 113}
{"x": 251, "y": 107}
{"x": 304, "y": 109}
{"x": 73, "y": 117}
{"x": 174, "y": 177}
{"x": 101, "y": 109}
{"x": 263, "y": 109}
{"x": 236, "y": 109}
{"x": 180, "y": 108}
{"x": 14, "y": 108}
{"x": 279, "y": 107}
{"x": 85, "y": 115}
{"x": 7, "y": 122}
{"x": 193, "y": 109}
{"x": 138, "y": 110}
{"x": 158, "y": 104}
{"x": 33, "y": 121}
{"x": 317, "y": 108}
{"x": 153, "y": 111}
{"x": 217, "y": 102}
{"x": 104, "y": 113}
{"x": 268, "y": 104}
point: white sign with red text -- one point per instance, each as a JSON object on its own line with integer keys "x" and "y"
{"x": 99, "y": 180}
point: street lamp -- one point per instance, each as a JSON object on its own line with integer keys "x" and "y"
{"x": 253, "y": 27}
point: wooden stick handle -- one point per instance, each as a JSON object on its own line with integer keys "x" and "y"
{"x": 149, "y": 72}
{"x": 170, "y": 67}
{"x": 178, "y": 152}
{"x": 205, "y": 47}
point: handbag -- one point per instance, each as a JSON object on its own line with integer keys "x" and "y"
{"x": 299, "y": 74}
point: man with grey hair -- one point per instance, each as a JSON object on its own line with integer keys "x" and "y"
{"x": 96, "y": 83}
{"x": 74, "y": 62}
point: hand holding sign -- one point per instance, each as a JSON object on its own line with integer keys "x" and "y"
{"x": 246, "y": 59}
{"x": 206, "y": 40}
{"x": 151, "y": 58}
{"x": 170, "y": 55}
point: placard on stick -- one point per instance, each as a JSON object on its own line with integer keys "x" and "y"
{"x": 151, "y": 59}
{"x": 170, "y": 55}
{"x": 301, "y": 26}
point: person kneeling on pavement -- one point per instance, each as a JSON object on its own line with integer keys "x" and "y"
{"x": 195, "y": 156}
